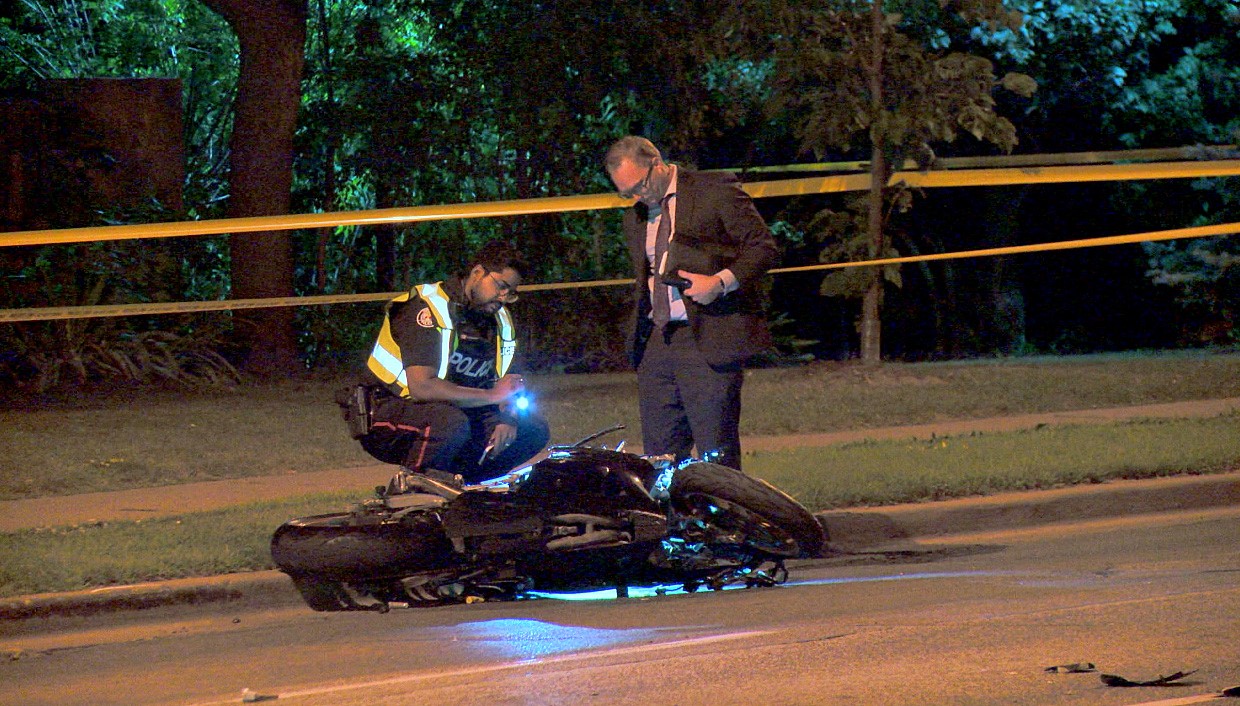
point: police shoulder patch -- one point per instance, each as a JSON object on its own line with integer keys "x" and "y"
{"x": 425, "y": 318}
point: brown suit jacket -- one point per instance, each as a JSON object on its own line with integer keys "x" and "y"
{"x": 717, "y": 227}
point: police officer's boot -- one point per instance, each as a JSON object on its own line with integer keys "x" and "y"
{"x": 453, "y": 480}
{"x": 427, "y": 480}
{"x": 399, "y": 484}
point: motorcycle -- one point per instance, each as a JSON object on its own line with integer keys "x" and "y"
{"x": 582, "y": 518}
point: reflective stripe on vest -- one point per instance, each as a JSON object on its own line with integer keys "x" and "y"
{"x": 505, "y": 341}
{"x": 385, "y": 358}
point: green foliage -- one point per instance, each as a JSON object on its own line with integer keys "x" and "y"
{"x": 1191, "y": 96}
{"x": 1195, "y": 100}
{"x": 1092, "y": 40}
{"x": 575, "y": 331}
{"x": 183, "y": 349}
{"x": 411, "y": 102}
{"x": 846, "y": 240}
{"x": 1093, "y": 58}
{"x": 1205, "y": 274}
{"x": 790, "y": 348}
{"x": 861, "y": 78}
{"x": 825, "y": 72}
{"x": 135, "y": 39}
{"x": 74, "y": 353}
{"x": 335, "y": 338}
{"x": 118, "y": 38}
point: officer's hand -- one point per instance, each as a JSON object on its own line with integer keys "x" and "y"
{"x": 703, "y": 289}
{"x": 508, "y": 387}
{"x": 502, "y": 437}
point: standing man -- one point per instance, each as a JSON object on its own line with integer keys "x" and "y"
{"x": 699, "y": 233}
{"x": 441, "y": 384}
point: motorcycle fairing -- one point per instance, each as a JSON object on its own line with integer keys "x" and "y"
{"x": 609, "y": 480}
{"x": 492, "y": 523}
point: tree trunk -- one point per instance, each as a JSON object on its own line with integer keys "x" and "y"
{"x": 322, "y": 235}
{"x": 871, "y": 304}
{"x": 385, "y": 237}
{"x": 272, "y": 36}
{"x": 871, "y": 317}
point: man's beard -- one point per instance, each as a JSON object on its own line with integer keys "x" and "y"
{"x": 487, "y": 309}
{"x": 481, "y": 311}
{"x": 473, "y": 306}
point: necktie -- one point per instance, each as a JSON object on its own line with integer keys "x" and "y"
{"x": 660, "y": 302}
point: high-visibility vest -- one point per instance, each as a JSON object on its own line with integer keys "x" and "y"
{"x": 385, "y": 358}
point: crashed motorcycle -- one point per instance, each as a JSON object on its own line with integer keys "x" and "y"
{"x": 582, "y": 518}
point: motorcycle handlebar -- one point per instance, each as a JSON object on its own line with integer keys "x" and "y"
{"x": 595, "y": 435}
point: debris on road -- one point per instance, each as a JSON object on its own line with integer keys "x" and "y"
{"x": 1073, "y": 668}
{"x": 1115, "y": 680}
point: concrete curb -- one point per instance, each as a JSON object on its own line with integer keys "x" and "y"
{"x": 259, "y": 586}
{"x": 848, "y": 531}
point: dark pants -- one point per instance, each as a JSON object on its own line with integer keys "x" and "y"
{"x": 684, "y": 402}
{"x": 444, "y": 437}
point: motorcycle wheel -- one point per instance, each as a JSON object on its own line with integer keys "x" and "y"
{"x": 770, "y": 519}
{"x": 338, "y": 547}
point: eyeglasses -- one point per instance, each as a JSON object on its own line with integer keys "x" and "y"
{"x": 506, "y": 291}
{"x": 640, "y": 187}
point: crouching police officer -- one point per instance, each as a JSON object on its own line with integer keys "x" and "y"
{"x": 441, "y": 393}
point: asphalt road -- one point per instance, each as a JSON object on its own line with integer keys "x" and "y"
{"x": 964, "y": 619}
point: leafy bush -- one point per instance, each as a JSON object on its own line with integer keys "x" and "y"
{"x": 49, "y": 354}
{"x": 46, "y": 354}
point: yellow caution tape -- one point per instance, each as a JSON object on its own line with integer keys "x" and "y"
{"x": 999, "y": 177}
{"x": 1180, "y": 233}
{"x": 1017, "y": 160}
{"x": 80, "y": 312}
{"x": 259, "y": 224}
{"x": 562, "y": 204}
{"x": 1031, "y": 174}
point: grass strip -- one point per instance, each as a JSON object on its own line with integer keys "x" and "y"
{"x": 130, "y": 438}
{"x": 134, "y": 551}
{"x": 867, "y": 473}
{"x": 889, "y": 472}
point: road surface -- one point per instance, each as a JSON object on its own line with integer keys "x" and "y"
{"x": 964, "y": 620}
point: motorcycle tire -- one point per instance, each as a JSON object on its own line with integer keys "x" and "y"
{"x": 337, "y": 547}
{"x": 778, "y": 524}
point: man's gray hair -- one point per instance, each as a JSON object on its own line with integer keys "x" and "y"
{"x": 637, "y": 149}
